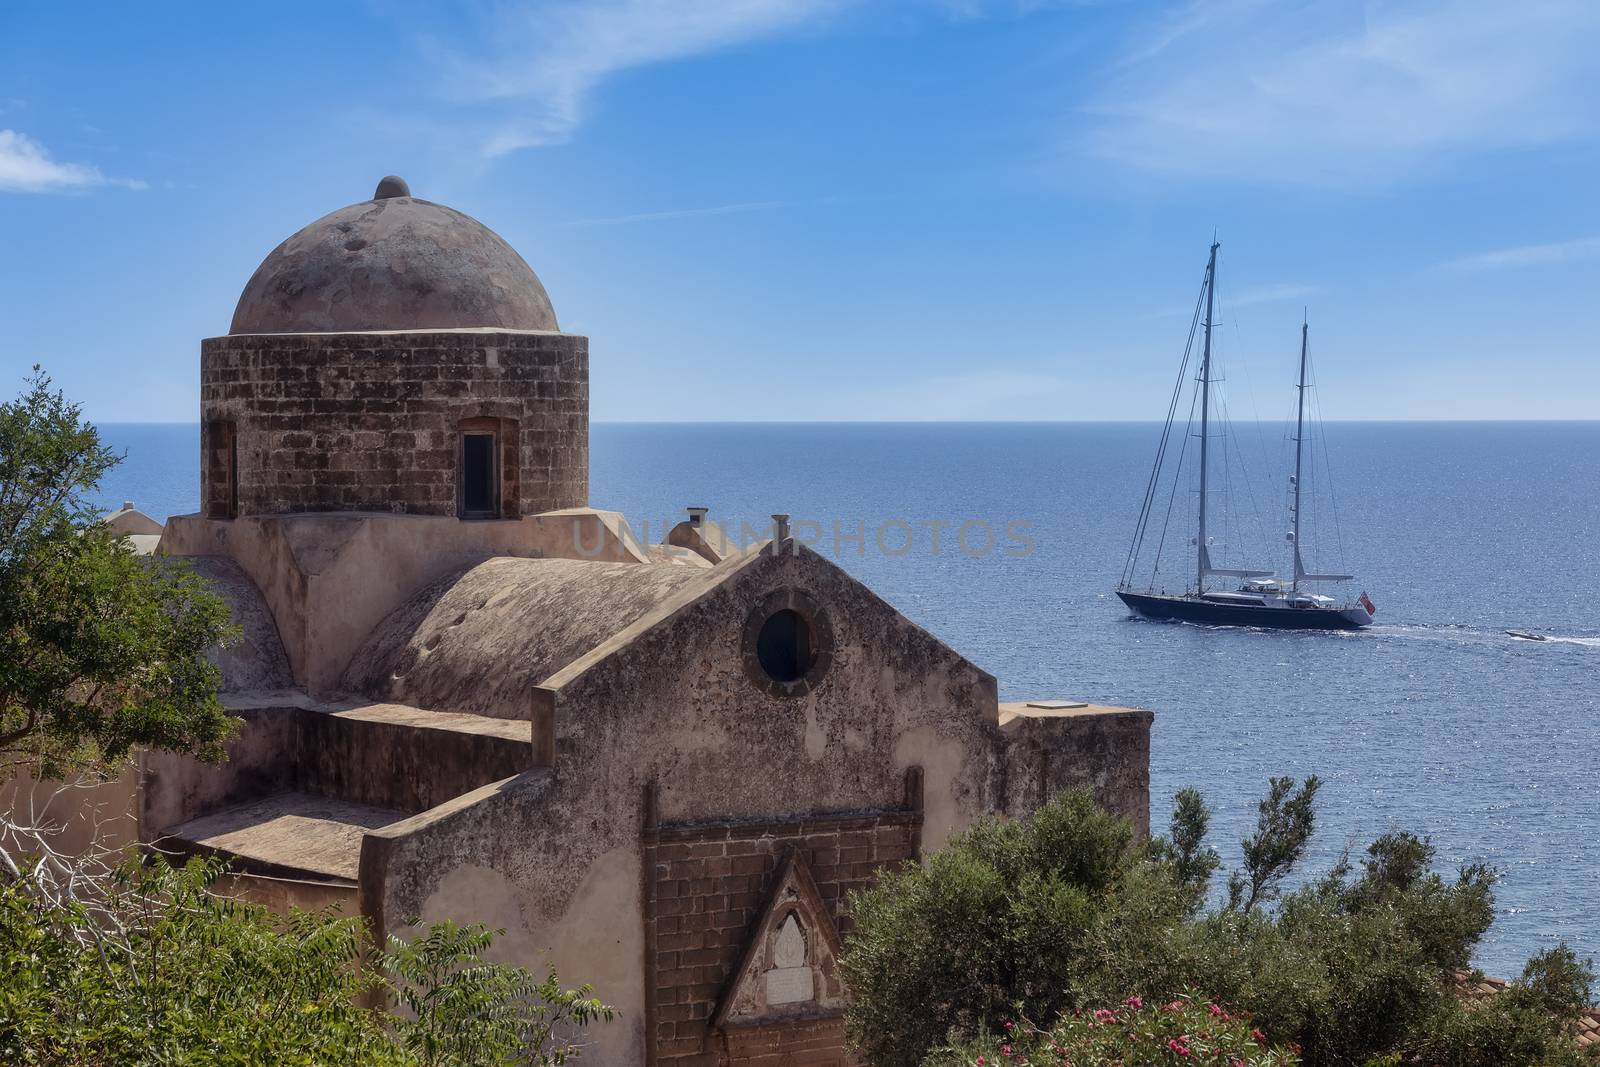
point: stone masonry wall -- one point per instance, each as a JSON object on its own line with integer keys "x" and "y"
{"x": 705, "y": 888}
{"x": 1104, "y": 750}
{"x": 370, "y": 421}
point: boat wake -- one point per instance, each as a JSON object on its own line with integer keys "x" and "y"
{"x": 1447, "y": 633}
{"x": 1467, "y": 635}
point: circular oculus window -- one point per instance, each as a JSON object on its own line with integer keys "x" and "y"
{"x": 788, "y": 644}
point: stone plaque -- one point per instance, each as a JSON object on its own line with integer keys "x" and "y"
{"x": 790, "y": 981}
{"x": 790, "y": 985}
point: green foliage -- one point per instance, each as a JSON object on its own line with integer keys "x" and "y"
{"x": 1283, "y": 830}
{"x": 161, "y": 971}
{"x": 1184, "y": 851}
{"x": 1354, "y": 967}
{"x": 999, "y": 916}
{"x": 1526, "y": 1024}
{"x": 1186, "y": 1030}
{"x": 168, "y": 973}
{"x": 462, "y": 1010}
{"x": 100, "y": 650}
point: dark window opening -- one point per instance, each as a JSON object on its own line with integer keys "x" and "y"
{"x": 479, "y": 499}
{"x": 233, "y": 474}
{"x": 783, "y": 647}
{"x": 221, "y": 488}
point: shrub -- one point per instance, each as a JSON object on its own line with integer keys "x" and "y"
{"x": 1187, "y": 1030}
{"x": 1355, "y": 966}
{"x": 163, "y": 972}
{"x": 460, "y": 1010}
{"x": 1002, "y": 915}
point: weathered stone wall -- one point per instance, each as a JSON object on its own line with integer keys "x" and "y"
{"x": 384, "y": 756}
{"x": 1104, "y": 750}
{"x": 369, "y": 421}
{"x": 704, "y": 888}
{"x": 175, "y": 789}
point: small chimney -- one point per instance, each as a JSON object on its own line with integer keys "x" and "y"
{"x": 127, "y": 505}
{"x": 697, "y": 517}
{"x": 780, "y": 530}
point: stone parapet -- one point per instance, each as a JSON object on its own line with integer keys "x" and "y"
{"x": 1052, "y": 746}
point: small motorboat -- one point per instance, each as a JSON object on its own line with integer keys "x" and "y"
{"x": 1525, "y": 635}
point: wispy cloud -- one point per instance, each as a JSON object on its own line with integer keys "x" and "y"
{"x": 1528, "y": 255}
{"x": 534, "y": 68}
{"x": 26, "y": 167}
{"x": 1270, "y": 294}
{"x": 1338, "y": 94}
{"x": 540, "y": 62}
{"x": 682, "y": 213}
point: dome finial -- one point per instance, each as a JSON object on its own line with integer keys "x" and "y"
{"x": 391, "y": 187}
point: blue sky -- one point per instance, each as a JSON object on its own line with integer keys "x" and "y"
{"x": 845, "y": 209}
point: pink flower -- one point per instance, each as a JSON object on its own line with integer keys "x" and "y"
{"x": 1214, "y": 1009}
{"x": 1261, "y": 1039}
{"x": 1104, "y": 1015}
{"x": 1134, "y": 1002}
{"x": 1178, "y": 1046}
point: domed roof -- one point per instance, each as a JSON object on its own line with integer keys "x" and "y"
{"x": 393, "y": 263}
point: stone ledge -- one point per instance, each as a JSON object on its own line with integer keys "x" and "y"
{"x": 1013, "y": 713}
{"x": 799, "y": 826}
{"x": 292, "y": 834}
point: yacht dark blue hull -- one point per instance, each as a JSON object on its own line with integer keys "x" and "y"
{"x": 1214, "y": 613}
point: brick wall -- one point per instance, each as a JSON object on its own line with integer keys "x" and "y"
{"x": 706, "y": 886}
{"x": 370, "y": 421}
{"x": 813, "y": 1043}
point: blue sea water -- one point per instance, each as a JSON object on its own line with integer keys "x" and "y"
{"x": 1432, "y": 720}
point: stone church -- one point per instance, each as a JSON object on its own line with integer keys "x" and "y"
{"x": 468, "y": 694}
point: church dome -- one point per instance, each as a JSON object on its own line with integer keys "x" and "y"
{"x": 393, "y": 263}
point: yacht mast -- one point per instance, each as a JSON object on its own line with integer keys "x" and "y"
{"x": 1202, "y": 557}
{"x": 1299, "y": 435}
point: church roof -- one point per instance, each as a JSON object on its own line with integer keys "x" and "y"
{"x": 480, "y": 640}
{"x": 393, "y": 263}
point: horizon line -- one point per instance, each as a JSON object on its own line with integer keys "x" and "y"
{"x": 962, "y": 422}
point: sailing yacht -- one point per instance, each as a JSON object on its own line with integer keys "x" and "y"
{"x": 1259, "y": 598}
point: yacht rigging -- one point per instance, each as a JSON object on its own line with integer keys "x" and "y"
{"x": 1260, "y": 598}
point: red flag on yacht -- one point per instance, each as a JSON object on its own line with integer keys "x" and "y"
{"x": 1366, "y": 602}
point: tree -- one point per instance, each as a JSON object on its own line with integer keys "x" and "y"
{"x": 1184, "y": 850}
{"x": 101, "y": 651}
{"x": 1283, "y": 830}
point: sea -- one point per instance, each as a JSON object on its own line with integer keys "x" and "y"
{"x": 1007, "y": 540}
